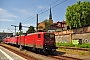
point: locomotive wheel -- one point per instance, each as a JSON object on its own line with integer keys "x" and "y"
{"x": 41, "y": 51}
{"x": 38, "y": 50}
{"x": 50, "y": 51}
{"x": 45, "y": 52}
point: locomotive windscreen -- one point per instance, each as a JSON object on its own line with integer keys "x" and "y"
{"x": 47, "y": 35}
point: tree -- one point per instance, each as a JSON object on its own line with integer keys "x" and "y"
{"x": 21, "y": 33}
{"x": 30, "y": 30}
{"x": 47, "y": 23}
{"x": 40, "y": 27}
{"x": 18, "y": 33}
{"x": 78, "y": 15}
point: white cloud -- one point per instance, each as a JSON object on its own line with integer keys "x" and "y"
{"x": 5, "y": 14}
{"x": 23, "y": 11}
{"x": 31, "y": 24}
{"x": 6, "y": 20}
{"x": 25, "y": 29}
{"x": 26, "y": 25}
{"x": 41, "y": 7}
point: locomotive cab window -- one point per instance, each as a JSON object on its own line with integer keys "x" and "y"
{"x": 39, "y": 36}
{"x": 49, "y": 36}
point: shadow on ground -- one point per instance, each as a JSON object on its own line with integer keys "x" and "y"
{"x": 57, "y": 53}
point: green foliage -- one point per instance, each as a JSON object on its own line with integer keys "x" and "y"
{"x": 78, "y": 15}
{"x": 40, "y": 27}
{"x": 84, "y": 46}
{"x": 65, "y": 44}
{"x": 30, "y": 30}
{"x": 21, "y": 33}
{"x": 72, "y": 45}
{"x": 47, "y": 23}
{"x": 18, "y": 33}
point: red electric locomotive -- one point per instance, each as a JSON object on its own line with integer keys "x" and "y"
{"x": 43, "y": 41}
{"x": 40, "y": 41}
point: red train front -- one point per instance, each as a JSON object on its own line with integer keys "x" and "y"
{"x": 49, "y": 42}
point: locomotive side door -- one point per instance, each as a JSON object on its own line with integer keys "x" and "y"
{"x": 39, "y": 41}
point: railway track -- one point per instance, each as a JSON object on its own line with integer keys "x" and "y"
{"x": 74, "y": 48}
{"x": 27, "y": 56}
{"x": 64, "y": 58}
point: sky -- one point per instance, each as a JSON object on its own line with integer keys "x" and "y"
{"x": 12, "y": 12}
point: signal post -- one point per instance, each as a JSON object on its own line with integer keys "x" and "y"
{"x": 20, "y": 28}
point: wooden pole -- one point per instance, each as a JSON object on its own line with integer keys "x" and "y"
{"x": 70, "y": 37}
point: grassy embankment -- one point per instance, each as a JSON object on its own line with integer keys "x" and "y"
{"x": 72, "y": 45}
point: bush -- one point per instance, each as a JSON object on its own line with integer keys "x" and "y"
{"x": 72, "y": 45}
{"x": 65, "y": 44}
{"x": 84, "y": 46}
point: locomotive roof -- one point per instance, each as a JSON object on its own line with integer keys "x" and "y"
{"x": 7, "y": 37}
{"x": 39, "y": 33}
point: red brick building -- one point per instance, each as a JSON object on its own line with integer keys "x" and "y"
{"x": 58, "y": 26}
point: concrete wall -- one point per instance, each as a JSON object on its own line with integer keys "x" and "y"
{"x": 66, "y": 38}
{"x": 85, "y": 37}
{"x": 62, "y": 38}
{"x": 81, "y": 33}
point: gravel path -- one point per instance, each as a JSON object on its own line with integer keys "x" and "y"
{"x": 78, "y": 56}
{"x": 75, "y": 54}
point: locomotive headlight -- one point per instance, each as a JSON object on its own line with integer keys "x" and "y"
{"x": 45, "y": 44}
